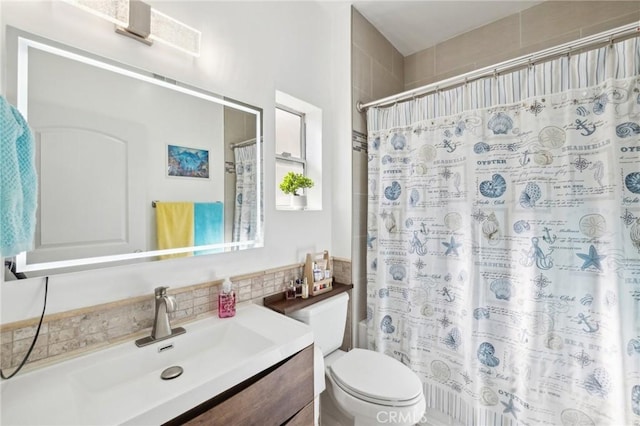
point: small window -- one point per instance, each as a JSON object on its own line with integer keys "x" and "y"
{"x": 289, "y": 147}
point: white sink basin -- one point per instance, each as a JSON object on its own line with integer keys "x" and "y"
{"x": 225, "y": 342}
{"x": 122, "y": 384}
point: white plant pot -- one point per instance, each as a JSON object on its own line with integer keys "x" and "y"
{"x": 298, "y": 202}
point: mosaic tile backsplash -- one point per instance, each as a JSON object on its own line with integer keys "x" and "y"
{"x": 67, "y": 334}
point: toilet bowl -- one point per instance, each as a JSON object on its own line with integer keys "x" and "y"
{"x": 372, "y": 388}
{"x": 363, "y": 387}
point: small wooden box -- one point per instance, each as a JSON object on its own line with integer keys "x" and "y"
{"x": 322, "y": 285}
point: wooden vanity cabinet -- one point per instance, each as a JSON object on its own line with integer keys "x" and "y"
{"x": 280, "y": 395}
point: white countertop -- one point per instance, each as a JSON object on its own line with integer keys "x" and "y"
{"x": 122, "y": 384}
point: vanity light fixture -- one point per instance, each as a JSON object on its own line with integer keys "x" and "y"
{"x": 138, "y": 20}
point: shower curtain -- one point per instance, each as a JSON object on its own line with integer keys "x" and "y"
{"x": 503, "y": 247}
{"x": 244, "y": 221}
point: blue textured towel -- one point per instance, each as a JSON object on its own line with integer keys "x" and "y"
{"x": 208, "y": 225}
{"x": 18, "y": 182}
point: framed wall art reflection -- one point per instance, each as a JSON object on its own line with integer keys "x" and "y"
{"x": 187, "y": 162}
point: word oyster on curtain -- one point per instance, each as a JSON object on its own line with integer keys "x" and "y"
{"x": 503, "y": 249}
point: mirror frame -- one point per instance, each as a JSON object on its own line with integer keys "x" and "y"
{"x": 26, "y": 41}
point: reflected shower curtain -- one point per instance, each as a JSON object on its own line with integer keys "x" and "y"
{"x": 244, "y": 221}
{"x": 503, "y": 248}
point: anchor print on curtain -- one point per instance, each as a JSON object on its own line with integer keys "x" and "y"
{"x": 503, "y": 250}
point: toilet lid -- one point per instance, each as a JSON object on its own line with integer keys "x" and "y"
{"x": 376, "y": 378}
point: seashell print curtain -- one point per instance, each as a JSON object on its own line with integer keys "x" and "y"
{"x": 503, "y": 249}
{"x": 245, "y": 209}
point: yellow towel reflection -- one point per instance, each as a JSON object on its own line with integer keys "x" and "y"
{"x": 175, "y": 227}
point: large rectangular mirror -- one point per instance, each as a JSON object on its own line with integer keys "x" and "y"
{"x": 132, "y": 165}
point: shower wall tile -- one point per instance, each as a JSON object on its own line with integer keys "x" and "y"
{"x": 360, "y": 173}
{"x": 555, "y": 41}
{"x": 548, "y": 20}
{"x": 369, "y": 39}
{"x": 455, "y": 72}
{"x": 397, "y": 64}
{"x": 540, "y": 27}
{"x": 599, "y": 27}
{"x": 359, "y": 119}
{"x": 385, "y": 83}
{"x": 419, "y": 66}
{"x": 500, "y": 36}
{"x": 378, "y": 67}
{"x": 72, "y": 333}
{"x": 362, "y": 71}
{"x": 599, "y": 11}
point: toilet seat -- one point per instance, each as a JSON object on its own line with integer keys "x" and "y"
{"x": 376, "y": 378}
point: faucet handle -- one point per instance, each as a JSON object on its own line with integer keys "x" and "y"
{"x": 170, "y": 303}
{"x": 160, "y": 291}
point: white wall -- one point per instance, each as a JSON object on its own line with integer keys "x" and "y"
{"x": 249, "y": 49}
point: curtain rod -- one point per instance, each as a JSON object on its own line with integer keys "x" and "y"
{"x": 242, "y": 143}
{"x": 587, "y": 43}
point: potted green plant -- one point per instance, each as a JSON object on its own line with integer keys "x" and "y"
{"x": 294, "y": 183}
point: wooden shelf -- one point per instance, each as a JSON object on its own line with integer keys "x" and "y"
{"x": 279, "y": 303}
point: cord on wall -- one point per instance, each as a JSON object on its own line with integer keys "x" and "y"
{"x": 44, "y": 308}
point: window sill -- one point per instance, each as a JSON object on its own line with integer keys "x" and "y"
{"x": 294, "y": 209}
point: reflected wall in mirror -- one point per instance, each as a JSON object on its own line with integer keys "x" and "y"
{"x": 133, "y": 165}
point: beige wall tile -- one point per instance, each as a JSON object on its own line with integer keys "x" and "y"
{"x": 599, "y": 27}
{"x": 28, "y": 332}
{"x": 6, "y": 337}
{"x": 411, "y": 68}
{"x": 121, "y": 317}
{"x": 38, "y": 352}
{"x": 419, "y": 83}
{"x": 502, "y": 35}
{"x": 359, "y": 119}
{"x": 454, "y": 72}
{"x": 93, "y": 339}
{"x": 90, "y": 328}
{"x": 600, "y": 11}
{"x": 178, "y": 315}
{"x": 91, "y": 323}
{"x": 425, "y": 64}
{"x": 63, "y": 347}
{"x": 398, "y": 64}
{"x": 201, "y": 292}
{"x": 362, "y": 70}
{"x": 203, "y": 300}
{"x": 360, "y": 173}
{"x": 200, "y": 309}
{"x": 23, "y": 345}
{"x": 360, "y": 227}
{"x": 369, "y": 39}
{"x": 384, "y": 82}
{"x": 244, "y": 293}
{"x": 548, "y": 20}
{"x": 5, "y": 356}
{"x": 271, "y": 289}
{"x": 62, "y": 335}
{"x": 561, "y": 39}
{"x": 360, "y": 253}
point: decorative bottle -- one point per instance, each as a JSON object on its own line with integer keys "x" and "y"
{"x": 226, "y": 300}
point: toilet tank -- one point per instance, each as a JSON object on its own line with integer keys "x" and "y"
{"x": 327, "y": 319}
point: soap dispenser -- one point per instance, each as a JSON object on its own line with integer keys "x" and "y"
{"x": 226, "y": 300}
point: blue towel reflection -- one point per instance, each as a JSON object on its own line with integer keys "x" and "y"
{"x": 208, "y": 225}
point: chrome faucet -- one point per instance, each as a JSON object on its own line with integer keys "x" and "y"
{"x": 161, "y": 330}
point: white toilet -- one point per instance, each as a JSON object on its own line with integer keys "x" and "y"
{"x": 363, "y": 387}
